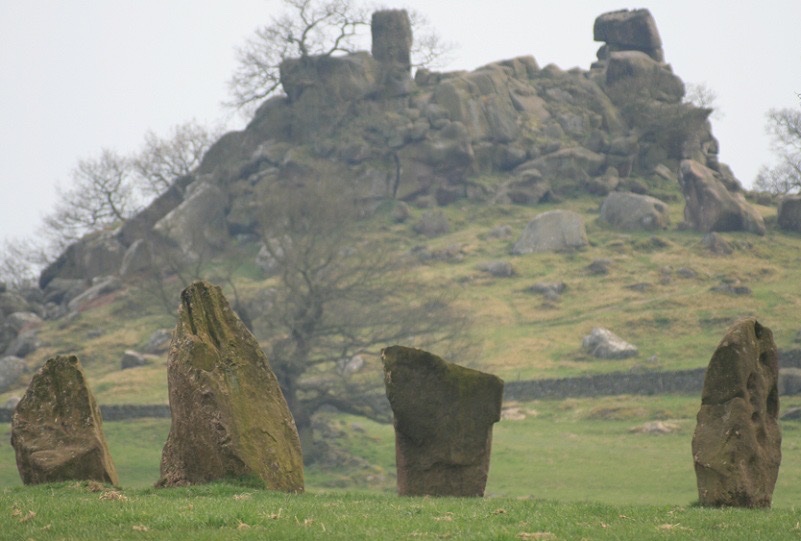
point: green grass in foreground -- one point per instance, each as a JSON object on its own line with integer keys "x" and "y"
{"x": 222, "y": 511}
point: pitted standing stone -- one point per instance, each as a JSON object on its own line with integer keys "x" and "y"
{"x": 443, "y": 417}
{"x": 229, "y": 417}
{"x": 57, "y": 429}
{"x": 737, "y": 441}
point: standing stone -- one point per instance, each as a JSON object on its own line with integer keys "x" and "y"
{"x": 443, "y": 417}
{"x": 737, "y": 442}
{"x": 57, "y": 429}
{"x": 552, "y": 231}
{"x": 229, "y": 417}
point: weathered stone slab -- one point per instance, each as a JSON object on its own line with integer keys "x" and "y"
{"x": 737, "y": 441}
{"x": 229, "y": 417}
{"x": 57, "y": 429}
{"x": 443, "y": 417}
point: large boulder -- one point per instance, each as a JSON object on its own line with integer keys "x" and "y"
{"x": 632, "y": 211}
{"x": 96, "y": 254}
{"x": 443, "y": 417}
{"x": 11, "y": 368}
{"x": 629, "y": 30}
{"x": 737, "y": 441}
{"x": 229, "y": 417}
{"x": 57, "y": 429}
{"x": 605, "y": 344}
{"x": 789, "y": 215}
{"x": 709, "y": 206}
{"x": 197, "y": 225}
{"x": 552, "y": 231}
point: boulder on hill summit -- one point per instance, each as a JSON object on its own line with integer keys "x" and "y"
{"x": 229, "y": 416}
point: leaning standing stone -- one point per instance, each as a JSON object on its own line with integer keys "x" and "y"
{"x": 229, "y": 417}
{"x": 737, "y": 442}
{"x": 57, "y": 430}
{"x": 443, "y": 416}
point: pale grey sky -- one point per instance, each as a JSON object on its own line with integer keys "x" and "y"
{"x": 79, "y": 76}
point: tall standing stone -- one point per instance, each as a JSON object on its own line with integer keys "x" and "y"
{"x": 737, "y": 442}
{"x": 57, "y": 429}
{"x": 229, "y": 417}
{"x": 443, "y": 417}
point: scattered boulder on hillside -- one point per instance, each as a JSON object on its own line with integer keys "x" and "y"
{"x": 710, "y": 206}
{"x": 443, "y": 417}
{"x": 630, "y": 211}
{"x": 737, "y": 442}
{"x": 432, "y": 223}
{"x": 132, "y": 359}
{"x": 605, "y": 344}
{"x": 600, "y": 267}
{"x": 552, "y": 231}
{"x": 11, "y": 368}
{"x": 498, "y": 269}
{"x": 789, "y": 381}
{"x": 551, "y": 291}
{"x": 716, "y": 244}
{"x": 229, "y": 416}
{"x": 789, "y": 214}
{"x": 57, "y": 429}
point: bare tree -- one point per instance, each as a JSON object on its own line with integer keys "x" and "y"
{"x": 784, "y": 125}
{"x": 311, "y": 28}
{"x": 162, "y": 160}
{"x": 101, "y": 194}
{"x": 338, "y": 298}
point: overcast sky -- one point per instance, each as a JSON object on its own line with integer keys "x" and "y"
{"x": 79, "y": 76}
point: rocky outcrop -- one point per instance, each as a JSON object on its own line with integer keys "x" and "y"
{"x": 630, "y": 211}
{"x": 552, "y": 231}
{"x": 11, "y": 368}
{"x": 57, "y": 430}
{"x": 737, "y": 441}
{"x": 605, "y": 344}
{"x": 443, "y": 417}
{"x": 709, "y": 206}
{"x": 508, "y": 132}
{"x": 229, "y": 417}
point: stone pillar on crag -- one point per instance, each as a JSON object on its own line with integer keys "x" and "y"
{"x": 737, "y": 442}
{"x": 443, "y": 417}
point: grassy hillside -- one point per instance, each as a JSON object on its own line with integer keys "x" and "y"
{"x": 659, "y": 294}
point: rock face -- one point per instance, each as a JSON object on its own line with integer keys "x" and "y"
{"x": 737, "y": 442}
{"x": 57, "y": 430}
{"x": 229, "y": 417}
{"x": 552, "y": 231}
{"x": 443, "y": 417}
{"x": 605, "y": 344}
{"x": 632, "y": 211}
{"x": 710, "y": 206}
{"x": 11, "y": 368}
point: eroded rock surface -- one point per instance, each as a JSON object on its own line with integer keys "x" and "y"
{"x": 737, "y": 442}
{"x": 57, "y": 429}
{"x": 229, "y": 417}
{"x": 443, "y": 417}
